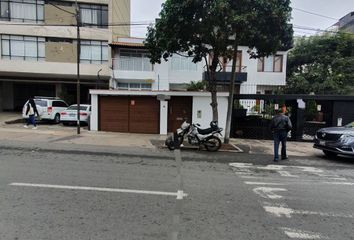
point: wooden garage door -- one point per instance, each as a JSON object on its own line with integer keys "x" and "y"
{"x": 129, "y": 114}
{"x": 144, "y": 116}
{"x": 114, "y": 114}
{"x": 179, "y": 108}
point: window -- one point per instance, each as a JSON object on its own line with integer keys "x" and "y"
{"x": 228, "y": 64}
{"x": 133, "y": 60}
{"x": 95, "y": 52}
{"x": 22, "y": 48}
{"x": 134, "y": 86}
{"x": 270, "y": 64}
{"x": 22, "y": 10}
{"x": 59, "y": 104}
{"x": 180, "y": 63}
{"x": 41, "y": 103}
{"x": 94, "y": 15}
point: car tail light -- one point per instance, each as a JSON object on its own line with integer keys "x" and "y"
{"x": 83, "y": 114}
{"x": 49, "y": 109}
{"x": 63, "y": 113}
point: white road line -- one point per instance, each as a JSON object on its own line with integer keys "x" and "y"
{"x": 280, "y": 211}
{"x": 267, "y": 192}
{"x": 340, "y": 183}
{"x": 179, "y": 194}
{"x": 338, "y": 179}
{"x": 299, "y": 234}
{"x": 264, "y": 183}
{"x": 287, "y": 174}
{"x": 241, "y": 165}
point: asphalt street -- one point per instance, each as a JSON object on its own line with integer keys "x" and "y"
{"x": 53, "y": 195}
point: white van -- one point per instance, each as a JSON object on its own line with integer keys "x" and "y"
{"x": 49, "y": 108}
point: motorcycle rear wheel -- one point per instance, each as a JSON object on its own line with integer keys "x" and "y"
{"x": 213, "y": 144}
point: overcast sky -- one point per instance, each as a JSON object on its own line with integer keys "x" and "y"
{"x": 148, "y": 10}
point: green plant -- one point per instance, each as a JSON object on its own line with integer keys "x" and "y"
{"x": 311, "y": 110}
{"x": 238, "y": 105}
{"x": 196, "y": 86}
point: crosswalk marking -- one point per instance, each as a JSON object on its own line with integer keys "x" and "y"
{"x": 299, "y": 234}
{"x": 268, "y": 192}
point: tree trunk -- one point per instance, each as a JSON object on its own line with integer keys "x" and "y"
{"x": 231, "y": 96}
{"x": 213, "y": 89}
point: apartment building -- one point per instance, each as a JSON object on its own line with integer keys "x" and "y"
{"x": 154, "y": 98}
{"x": 38, "y": 47}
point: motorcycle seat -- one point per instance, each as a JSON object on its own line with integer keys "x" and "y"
{"x": 205, "y": 131}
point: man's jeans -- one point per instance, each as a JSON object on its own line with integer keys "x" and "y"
{"x": 280, "y": 136}
{"x": 31, "y": 120}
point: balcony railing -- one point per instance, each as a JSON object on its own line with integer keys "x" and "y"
{"x": 223, "y": 78}
{"x": 132, "y": 64}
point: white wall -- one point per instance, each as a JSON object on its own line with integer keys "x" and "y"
{"x": 94, "y": 113}
{"x": 163, "y": 117}
{"x": 202, "y": 104}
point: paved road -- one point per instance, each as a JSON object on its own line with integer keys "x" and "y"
{"x": 46, "y": 195}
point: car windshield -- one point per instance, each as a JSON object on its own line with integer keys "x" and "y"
{"x": 74, "y": 107}
{"x": 41, "y": 103}
{"x": 350, "y": 125}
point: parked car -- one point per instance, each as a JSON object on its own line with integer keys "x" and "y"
{"x": 336, "y": 140}
{"x": 49, "y": 108}
{"x": 69, "y": 115}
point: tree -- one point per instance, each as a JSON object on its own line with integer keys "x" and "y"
{"x": 322, "y": 65}
{"x": 211, "y": 30}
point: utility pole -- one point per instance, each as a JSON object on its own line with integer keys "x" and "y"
{"x": 98, "y": 79}
{"x": 77, "y": 15}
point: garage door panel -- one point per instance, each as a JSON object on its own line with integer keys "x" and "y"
{"x": 144, "y": 115}
{"x": 114, "y": 114}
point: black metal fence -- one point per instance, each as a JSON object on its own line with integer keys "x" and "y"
{"x": 308, "y": 113}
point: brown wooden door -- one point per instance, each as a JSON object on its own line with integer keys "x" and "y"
{"x": 144, "y": 115}
{"x": 179, "y": 108}
{"x": 114, "y": 114}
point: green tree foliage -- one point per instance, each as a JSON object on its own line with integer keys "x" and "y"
{"x": 196, "y": 86}
{"x": 322, "y": 64}
{"x": 208, "y": 28}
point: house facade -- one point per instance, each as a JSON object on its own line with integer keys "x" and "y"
{"x": 149, "y": 98}
{"x": 38, "y": 47}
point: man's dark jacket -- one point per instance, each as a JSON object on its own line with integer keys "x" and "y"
{"x": 280, "y": 122}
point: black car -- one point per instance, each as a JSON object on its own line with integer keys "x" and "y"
{"x": 335, "y": 141}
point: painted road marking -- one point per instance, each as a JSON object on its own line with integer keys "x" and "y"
{"x": 287, "y": 174}
{"x": 280, "y": 211}
{"x": 264, "y": 183}
{"x": 267, "y": 192}
{"x": 340, "y": 183}
{"x": 299, "y": 234}
{"x": 179, "y": 194}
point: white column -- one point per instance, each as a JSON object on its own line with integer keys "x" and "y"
{"x": 94, "y": 113}
{"x": 163, "y": 117}
{"x": 58, "y": 89}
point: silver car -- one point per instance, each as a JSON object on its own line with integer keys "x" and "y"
{"x": 336, "y": 140}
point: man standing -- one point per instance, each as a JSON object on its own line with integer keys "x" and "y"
{"x": 280, "y": 126}
{"x": 31, "y": 111}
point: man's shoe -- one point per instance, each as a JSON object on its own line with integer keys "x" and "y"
{"x": 284, "y": 158}
{"x": 25, "y": 126}
{"x": 276, "y": 160}
{"x": 34, "y": 128}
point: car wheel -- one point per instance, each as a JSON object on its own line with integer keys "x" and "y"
{"x": 57, "y": 118}
{"x": 330, "y": 154}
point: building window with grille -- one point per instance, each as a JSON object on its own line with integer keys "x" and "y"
{"x": 27, "y": 48}
{"x": 270, "y": 64}
{"x": 94, "y": 15}
{"x": 94, "y": 52}
{"x": 135, "y": 86}
{"x": 22, "y": 11}
{"x": 181, "y": 63}
{"x": 132, "y": 60}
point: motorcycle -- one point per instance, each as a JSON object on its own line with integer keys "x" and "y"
{"x": 209, "y": 138}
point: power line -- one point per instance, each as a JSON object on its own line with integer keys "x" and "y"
{"x": 61, "y": 8}
{"x": 316, "y": 14}
{"x": 74, "y": 25}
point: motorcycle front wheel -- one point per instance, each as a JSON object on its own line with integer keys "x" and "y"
{"x": 213, "y": 144}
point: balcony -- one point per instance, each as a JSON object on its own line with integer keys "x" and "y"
{"x": 130, "y": 68}
{"x": 223, "y": 78}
